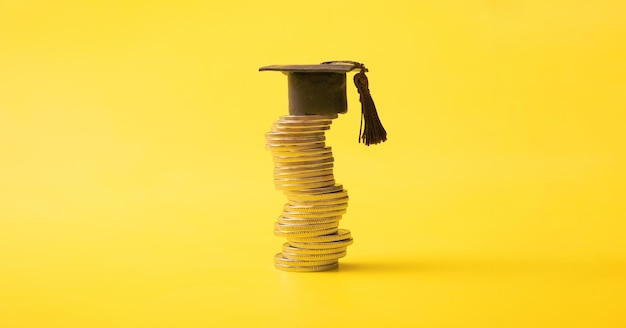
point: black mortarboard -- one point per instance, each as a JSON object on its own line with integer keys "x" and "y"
{"x": 321, "y": 90}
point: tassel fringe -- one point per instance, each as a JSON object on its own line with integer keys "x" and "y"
{"x": 371, "y": 131}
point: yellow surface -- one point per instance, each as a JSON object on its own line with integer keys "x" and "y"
{"x": 135, "y": 190}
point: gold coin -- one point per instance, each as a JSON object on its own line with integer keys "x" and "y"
{"x": 302, "y": 158}
{"x": 303, "y": 166}
{"x": 286, "y": 227}
{"x": 301, "y": 119}
{"x": 306, "y": 269}
{"x": 286, "y": 171}
{"x": 305, "y": 174}
{"x": 280, "y": 259}
{"x": 327, "y": 202}
{"x": 314, "y": 209}
{"x": 295, "y": 147}
{"x": 304, "y": 163}
{"x": 293, "y": 156}
{"x": 297, "y": 144}
{"x": 322, "y": 245}
{"x": 304, "y": 152}
{"x": 282, "y": 121}
{"x": 281, "y": 135}
{"x": 296, "y": 161}
{"x": 290, "y": 148}
{"x": 321, "y": 202}
{"x": 340, "y": 209}
{"x": 308, "y": 117}
{"x": 326, "y": 190}
{"x": 313, "y": 215}
{"x": 303, "y": 123}
{"x": 296, "y": 129}
{"x": 341, "y": 234}
{"x": 309, "y": 151}
{"x": 292, "y": 187}
{"x": 334, "y": 192}
{"x": 290, "y": 180}
{"x": 294, "y": 142}
{"x": 314, "y": 257}
{"x": 334, "y": 221}
{"x": 308, "y": 251}
{"x": 295, "y": 122}
{"x": 303, "y": 182}
{"x": 285, "y": 151}
{"x": 304, "y": 234}
{"x": 300, "y": 169}
{"x": 285, "y": 135}
{"x": 287, "y": 220}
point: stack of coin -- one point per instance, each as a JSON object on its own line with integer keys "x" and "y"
{"x": 303, "y": 170}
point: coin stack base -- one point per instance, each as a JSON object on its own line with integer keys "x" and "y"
{"x": 303, "y": 170}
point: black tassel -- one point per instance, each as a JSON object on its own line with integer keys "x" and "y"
{"x": 371, "y": 131}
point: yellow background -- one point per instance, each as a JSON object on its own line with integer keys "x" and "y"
{"x": 135, "y": 190}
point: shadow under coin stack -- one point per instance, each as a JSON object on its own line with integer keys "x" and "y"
{"x": 303, "y": 170}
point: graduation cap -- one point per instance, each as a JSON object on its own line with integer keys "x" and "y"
{"x": 321, "y": 90}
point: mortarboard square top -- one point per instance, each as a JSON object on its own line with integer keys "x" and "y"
{"x": 316, "y": 89}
